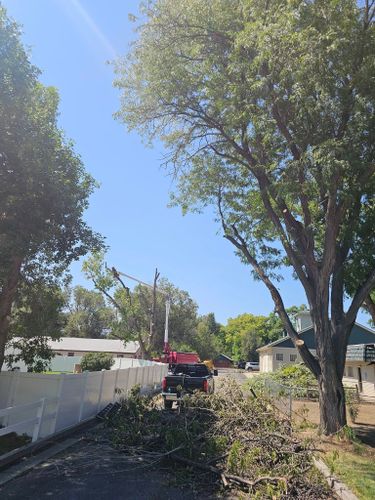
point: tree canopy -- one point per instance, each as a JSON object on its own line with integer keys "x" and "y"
{"x": 44, "y": 187}
{"x": 88, "y": 315}
{"x": 267, "y": 112}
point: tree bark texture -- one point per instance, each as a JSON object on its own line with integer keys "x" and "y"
{"x": 7, "y": 296}
{"x": 331, "y": 399}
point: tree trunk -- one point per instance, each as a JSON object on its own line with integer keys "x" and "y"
{"x": 331, "y": 350}
{"x": 7, "y": 296}
{"x": 331, "y": 400}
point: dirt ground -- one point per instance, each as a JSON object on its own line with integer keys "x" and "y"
{"x": 364, "y": 425}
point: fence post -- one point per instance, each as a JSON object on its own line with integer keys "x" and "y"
{"x": 12, "y": 394}
{"x": 85, "y": 375}
{"x": 39, "y": 416}
{"x": 115, "y": 386}
{"x": 100, "y": 390}
{"x": 58, "y": 403}
{"x": 290, "y": 404}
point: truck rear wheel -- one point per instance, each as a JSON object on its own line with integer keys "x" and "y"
{"x": 168, "y": 404}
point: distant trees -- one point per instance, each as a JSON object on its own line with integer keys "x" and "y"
{"x": 245, "y": 333}
{"x": 88, "y": 315}
{"x": 44, "y": 188}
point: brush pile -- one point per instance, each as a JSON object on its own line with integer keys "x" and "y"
{"x": 240, "y": 442}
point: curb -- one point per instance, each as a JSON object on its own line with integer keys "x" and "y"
{"x": 340, "y": 489}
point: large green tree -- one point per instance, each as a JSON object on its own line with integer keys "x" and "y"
{"x": 44, "y": 188}
{"x": 267, "y": 110}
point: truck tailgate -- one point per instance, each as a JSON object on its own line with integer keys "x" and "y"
{"x": 188, "y": 383}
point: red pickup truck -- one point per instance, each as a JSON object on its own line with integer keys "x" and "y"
{"x": 184, "y": 379}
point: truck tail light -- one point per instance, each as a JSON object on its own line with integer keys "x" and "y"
{"x": 205, "y": 385}
{"x": 164, "y": 384}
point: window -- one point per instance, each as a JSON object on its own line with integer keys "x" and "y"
{"x": 120, "y": 355}
{"x": 350, "y": 371}
{"x": 279, "y": 356}
{"x": 293, "y": 357}
{"x": 70, "y": 353}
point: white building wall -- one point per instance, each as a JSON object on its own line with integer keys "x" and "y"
{"x": 368, "y": 376}
{"x": 276, "y": 357}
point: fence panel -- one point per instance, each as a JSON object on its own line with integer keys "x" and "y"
{"x": 91, "y": 397}
{"x": 70, "y": 401}
{"x": 6, "y": 381}
{"x": 108, "y": 388}
{"x": 68, "y": 398}
{"x": 281, "y": 396}
{"x": 122, "y": 385}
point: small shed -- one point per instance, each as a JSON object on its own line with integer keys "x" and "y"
{"x": 223, "y": 361}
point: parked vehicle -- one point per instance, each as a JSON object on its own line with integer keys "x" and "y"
{"x": 184, "y": 379}
{"x": 252, "y": 366}
{"x": 241, "y": 365}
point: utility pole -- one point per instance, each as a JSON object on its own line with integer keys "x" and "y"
{"x": 153, "y": 308}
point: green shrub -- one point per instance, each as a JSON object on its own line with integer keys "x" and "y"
{"x": 96, "y": 361}
{"x": 296, "y": 377}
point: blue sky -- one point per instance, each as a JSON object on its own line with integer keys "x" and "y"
{"x": 71, "y": 40}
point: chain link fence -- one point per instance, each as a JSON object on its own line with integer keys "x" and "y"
{"x": 283, "y": 396}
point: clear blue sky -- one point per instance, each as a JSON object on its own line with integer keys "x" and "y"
{"x": 71, "y": 40}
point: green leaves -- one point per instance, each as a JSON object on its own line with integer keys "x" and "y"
{"x": 265, "y": 110}
{"x": 44, "y": 188}
{"x": 96, "y": 361}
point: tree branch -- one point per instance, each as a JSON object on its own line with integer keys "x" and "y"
{"x": 359, "y": 297}
{"x": 238, "y": 241}
{"x": 369, "y": 305}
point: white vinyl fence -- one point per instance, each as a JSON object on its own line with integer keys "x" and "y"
{"x": 40, "y": 405}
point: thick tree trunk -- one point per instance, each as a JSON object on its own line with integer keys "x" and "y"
{"x": 7, "y": 296}
{"x": 331, "y": 350}
{"x": 331, "y": 400}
